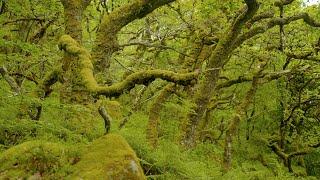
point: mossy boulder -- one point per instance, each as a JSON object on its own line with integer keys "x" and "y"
{"x": 37, "y": 158}
{"x": 109, "y": 157}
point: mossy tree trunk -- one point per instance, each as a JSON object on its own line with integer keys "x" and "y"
{"x": 154, "y": 114}
{"x": 200, "y": 51}
{"x": 86, "y": 82}
{"x": 218, "y": 59}
{"x": 233, "y": 38}
{"x": 107, "y": 43}
{"x": 71, "y": 91}
{"x": 239, "y": 114}
{"x": 73, "y": 12}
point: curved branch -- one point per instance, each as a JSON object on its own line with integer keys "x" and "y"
{"x": 246, "y": 14}
{"x": 272, "y": 23}
{"x": 106, "y": 43}
{"x": 143, "y": 77}
{"x": 288, "y": 157}
{"x": 268, "y": 76}
{"x": 259, "y": 17}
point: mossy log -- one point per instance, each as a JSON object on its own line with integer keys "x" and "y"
{"x": 88, "y": 83}
{"x": 109, "y": 157}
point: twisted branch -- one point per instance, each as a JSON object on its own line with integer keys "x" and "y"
{"x": 72, "y": 47}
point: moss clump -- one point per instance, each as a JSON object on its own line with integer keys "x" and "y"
{"x": 109, "y": 157}
{"x": 84, "y": 120}
{"x": 113, "y": 108}
{"x": 36, "y": 158}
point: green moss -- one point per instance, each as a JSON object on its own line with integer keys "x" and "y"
{"x": 106, "y": 42}
{"x": 154, "y": 115}
{"x": 73, "y": 12}
{"x": 87, "y": 82}
{"x": 109, "y": 157}
{"x": 36, "y": 157}
{"x": 113, "y": 108}
{"x": 84, "y": 120}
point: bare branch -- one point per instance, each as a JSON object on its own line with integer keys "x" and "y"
{"x": 147, "y": 44}
{"x": 266, "y": 76}
{"x": 30, "y": 78}
{"x": 272, "y": 23}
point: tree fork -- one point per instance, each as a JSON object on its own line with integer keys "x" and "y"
{"x": 88, "y": 83}
{"x": 106, "y": 43}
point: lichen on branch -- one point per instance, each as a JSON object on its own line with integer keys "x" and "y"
{"x": 72, "y": 47}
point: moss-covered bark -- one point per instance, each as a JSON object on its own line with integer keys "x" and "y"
{"x": 154, "y": 114}
{"x": 106, "y": 43}
{"x": 44, "y": 87}
{"x": 235, "y": 121}
{"x": 221, "y": 55}
{"x": 218, "y": 59}
{"x": 109, "y": 157}
{"x": 84, "y": 80}
{"x": 73, "y": 11}
{"x": 198, "y": 54}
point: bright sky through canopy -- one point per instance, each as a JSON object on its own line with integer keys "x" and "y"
{"x": 311, "y": 2}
